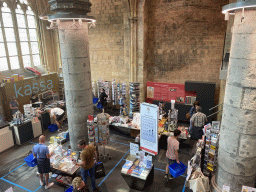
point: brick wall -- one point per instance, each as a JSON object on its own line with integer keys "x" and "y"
{"x": 185, "y": 40}
{"x": 109, "y": 40}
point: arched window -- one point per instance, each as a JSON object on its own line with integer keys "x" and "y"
{"x": 18, "y": 38}
{"x": 33, "y": 37}
{"x": 9, "y": 38}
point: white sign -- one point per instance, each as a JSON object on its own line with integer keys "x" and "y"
{"x": 225, "y": 188}
{"x": 9, "y": 190}
{"x": 149, "y": 128}
{"x": 248, "y": 189}
{"x": 149, "y": 160}
{"x": 134, "y": 148}
{"x": 189, "y": 171}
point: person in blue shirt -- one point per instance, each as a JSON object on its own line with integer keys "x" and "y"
{"x": 41, "y": 153}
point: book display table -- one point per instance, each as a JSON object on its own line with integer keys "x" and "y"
{"x": 137, "y": 174}
{"x": 137, "y": 182}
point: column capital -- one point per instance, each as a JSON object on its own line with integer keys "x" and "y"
{"x": 74, "y": 6}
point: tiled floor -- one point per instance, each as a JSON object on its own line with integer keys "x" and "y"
{"x": 16, "y": 174}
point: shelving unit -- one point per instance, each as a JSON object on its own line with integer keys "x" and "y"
{"x": 61, "y": 85}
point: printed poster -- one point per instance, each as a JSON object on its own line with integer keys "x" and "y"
{"x": 248, "y": 189}
{"x": 150, "y": 92}
{"x": 134, "y": 148}
{"x": 225, "y": 188}
{"x": 149, "y": 128}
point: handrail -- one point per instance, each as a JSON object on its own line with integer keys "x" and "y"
{"x": 216, "y": 106}
{"x": 214, "y": 113}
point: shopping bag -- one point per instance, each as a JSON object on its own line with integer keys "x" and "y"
{"x": 99, "y": 170}
{"x": 200, "y": 184}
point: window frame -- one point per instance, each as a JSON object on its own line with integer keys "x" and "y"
{"x": 24, "y": 7}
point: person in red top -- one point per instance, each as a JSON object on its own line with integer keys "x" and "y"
{"x": 172, "y": 151}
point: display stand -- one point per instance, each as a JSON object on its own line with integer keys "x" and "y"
{"x": 138, "y": 183}
{"x": 93, "y": 134}
{"x": 103, "y": 130}
{"x": 138, "y": 170}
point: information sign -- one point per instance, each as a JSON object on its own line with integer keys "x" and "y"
{"x": 149, "y": 128}
{"x": 134, "y": 148}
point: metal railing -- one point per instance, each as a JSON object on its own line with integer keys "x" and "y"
{"x": 216, "y": 111}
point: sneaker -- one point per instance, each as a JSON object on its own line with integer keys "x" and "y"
{"x": 170, "y": 177}
{"x": 41, "y": 183}
{"x": 49, "y": 185}
{"x": 166, "y": 176}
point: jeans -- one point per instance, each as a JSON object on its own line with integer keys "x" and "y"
{"x": 190, "y": 126}
{"x": 90, "y": 172}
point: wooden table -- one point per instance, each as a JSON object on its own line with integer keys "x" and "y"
{"x": 127, "y": 130}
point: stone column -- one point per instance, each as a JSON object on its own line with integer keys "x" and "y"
{"x": 237, "y": 146}
{"x": 74, "y": 47}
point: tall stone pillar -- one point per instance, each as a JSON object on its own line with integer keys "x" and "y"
{"x": 74, "y": 48}
{"x": 71, "y": 19}
{"x": 237, "y": 146}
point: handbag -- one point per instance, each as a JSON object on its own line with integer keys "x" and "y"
{"x": 99, "y": 170}
{"x": 200, "y": 183}
{"x": 188, "y": 116}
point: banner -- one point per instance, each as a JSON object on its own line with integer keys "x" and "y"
{"x": 149, "y": 128}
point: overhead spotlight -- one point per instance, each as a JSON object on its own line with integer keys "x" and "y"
{"x": 93, "y": 23}
{"x": 80, "y": 22}
{"x": 227, "y": 16}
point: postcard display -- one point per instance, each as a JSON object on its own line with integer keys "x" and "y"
{"x": 172, "y": 117}
{"x": 211, "y": 146}
{"x": 134, "y": 98}
{"x": 107, "y": 86}
{"x": 114, "y": 92}
{"x": 103, "y": 131}
{"x": 94, "y": 89}
{"x": 99, "y": 86}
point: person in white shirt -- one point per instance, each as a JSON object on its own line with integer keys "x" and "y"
{"x": 58, "y": 116}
